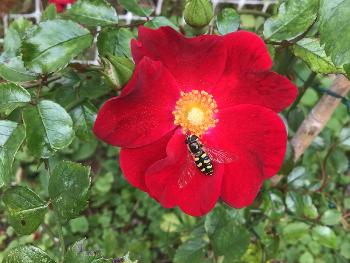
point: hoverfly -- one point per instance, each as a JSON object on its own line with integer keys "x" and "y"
{"x": 203, "y": 157}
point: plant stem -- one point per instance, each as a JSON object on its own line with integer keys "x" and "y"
{"x": 306, "y": 85}
{"x": 38, "y": 83}
{"x": 61, "y": 237}
{"x": 324, "y": 179}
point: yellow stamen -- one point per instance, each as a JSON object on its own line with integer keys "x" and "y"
{"x": 195, "y": 111}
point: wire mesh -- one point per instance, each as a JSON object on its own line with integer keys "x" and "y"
{"x": 128, "y": 17}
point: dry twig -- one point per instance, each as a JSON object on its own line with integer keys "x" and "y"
{"x": 319, "y": 116}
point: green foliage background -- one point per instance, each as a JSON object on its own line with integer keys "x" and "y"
{"x": 63, "y": 197}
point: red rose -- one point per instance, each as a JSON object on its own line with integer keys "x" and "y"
{"x": 61, "y": 4}
{"x": 219, "y": 88}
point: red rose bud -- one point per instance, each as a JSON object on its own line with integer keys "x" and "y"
{"x": 60, "y": 4}
{"x": 198, "y": 13}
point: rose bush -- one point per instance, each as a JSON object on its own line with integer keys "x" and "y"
{"x": 100, "y": 110}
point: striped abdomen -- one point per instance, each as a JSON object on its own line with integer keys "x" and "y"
{"x": 203, "y": 162}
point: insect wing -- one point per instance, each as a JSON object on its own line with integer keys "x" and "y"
{"x": 187, "y": 172}
{"x": 220, "y": 156}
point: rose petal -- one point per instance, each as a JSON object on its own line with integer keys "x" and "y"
{"x": 242, "y": 180}
{"x": 246, "y": 52}
{"x": 144, "y": 113}
{"x": 196, "y": 198}
{"x": 267, "y": 89}
{"x": 196, "y": 63}
{"x": 135, "y": 161}
{"x": 256, "y": 130}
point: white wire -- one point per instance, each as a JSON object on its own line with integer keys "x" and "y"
{"x": 129, "y": 17}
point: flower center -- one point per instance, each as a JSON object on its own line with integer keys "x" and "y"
{"x": 195, "y": 111}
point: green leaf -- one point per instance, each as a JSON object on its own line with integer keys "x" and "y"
{"x": 339, "y": 161}
{"x": 295, "y": 231}
{"x": 301, "y": 205}
{"x": 160, "y": 21}
{"x": 345, "y": 250}
{"x": 119, "y": 69}
{"x": 288, "y": 162}
{"x": 11, "y": 138}
{"x": 49, "y": 13}
{"x": 25, "y": 209}
{"x": 93, "y": 13}
{"x": 306, "y": 257}
{"x": 293, "y": 19}
{"x": 103, "y": 183}
{"x": 84, "y": 117}
{"x": 93, "y": 85}
{"x": 192, "y": 250}
{"x": 170, "y": 222}
{"x": 27, "y": 254}
{"x": 331, "y": 217}
{"x": 52, "y": 44}
{"x": 334, "y": 29}
{"x": 115, "y": 42}
{"x": 228, "y": 238}
{"x": 68, "y": 189}
{"x": 12, "y": 69}
{"x": 134, "y": 7}
{"x": 325, "y": 236}
{"x": 12, "y": 96}
{"x": 310, "y": 50}
{"x": 79, "y": 224}
{"x": 48, "y": 126}
{"x": 227, "y": 21}
{"x": 310, "y": 209}
{"x": 77, "y": 254}
{"x": 277, "y": 205}
{"x": 21, "y": 25}
{"x": 14, "y": 34}
{"x": 294, "y": 203}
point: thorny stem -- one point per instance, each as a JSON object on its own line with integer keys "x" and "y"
{"x": 306, "y": 85}
{"x": 211, "y": 26}
{"x": 39, "y": 82}
{"x": 134, "y": 24}
{"x": 324, "y": 179}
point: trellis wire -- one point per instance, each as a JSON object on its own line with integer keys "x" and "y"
{"x": 128, "y": 18}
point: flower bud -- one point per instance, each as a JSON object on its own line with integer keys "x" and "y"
{"x": 198, "y": 13}
{"x": 118, "y": 69}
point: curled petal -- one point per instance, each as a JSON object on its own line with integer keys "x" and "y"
{"x": 134, "y": 162}
{"x": 198, "y": 196}
{"x": 143, "y": 113}
{"x": 196, "y": 63}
